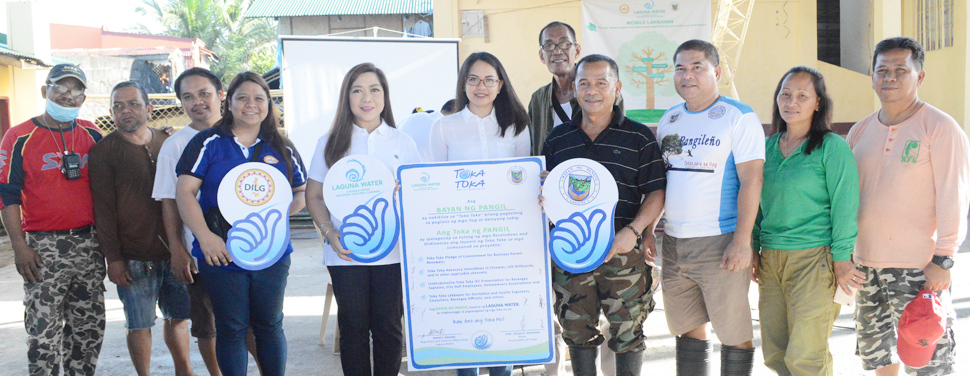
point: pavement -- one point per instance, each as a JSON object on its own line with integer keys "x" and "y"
{"x": 303, "y": 308}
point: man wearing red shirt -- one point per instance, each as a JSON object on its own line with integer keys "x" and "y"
{"x": 46, "y": 206}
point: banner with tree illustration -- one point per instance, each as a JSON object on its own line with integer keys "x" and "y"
{"x": 642, "y": 37}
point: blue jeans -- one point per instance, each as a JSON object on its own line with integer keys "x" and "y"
{"x": 492, "y": 371}
{"x": 241, "y": 299}
{"x": 151, "y": 283}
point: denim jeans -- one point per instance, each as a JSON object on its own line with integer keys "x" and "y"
{"x": 241, "y": 299}
{"x": 152, "y": 283}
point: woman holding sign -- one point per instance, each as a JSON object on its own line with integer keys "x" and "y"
{"x": 248, "y": 179}
{"x": 491, "y": 124}
{"x": 368, "y": 290}
{"x": 806, "y": 228}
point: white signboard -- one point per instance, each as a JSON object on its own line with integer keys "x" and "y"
{"x": 420, "y": 73}
{"x": 476, "y": 271}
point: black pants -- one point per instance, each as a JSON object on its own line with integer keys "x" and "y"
{"x": 369, "y": 302}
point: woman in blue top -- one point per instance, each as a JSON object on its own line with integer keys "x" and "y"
{"x": 240, "y": 298}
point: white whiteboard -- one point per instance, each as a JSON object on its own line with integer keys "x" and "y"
{"x": 420, "y": 73}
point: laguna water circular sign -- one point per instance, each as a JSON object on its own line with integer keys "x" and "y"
{"x": 358, "y": 191}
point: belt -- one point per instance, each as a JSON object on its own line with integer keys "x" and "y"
{"x": 74, "y": 231}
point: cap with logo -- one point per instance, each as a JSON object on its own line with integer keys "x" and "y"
{"x": 921, "y": 325}
{"x": 61, "y": 71}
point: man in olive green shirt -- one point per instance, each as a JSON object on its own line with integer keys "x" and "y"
{"x": 556, "y": 103}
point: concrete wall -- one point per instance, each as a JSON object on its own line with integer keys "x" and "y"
{"x": 27, "y": 32}
{"x": 75, "y": 36}
{"x": 856, "y": 38}
{"x": 28, "y": 29}
{"x": 781, "y": 34}
{"x": 103, "y": 72}
{"x": 945, "y": 85}
{"x": 6, "y": 80}
{"x": 26, "y": 101}
{"x": 513, "y": 34}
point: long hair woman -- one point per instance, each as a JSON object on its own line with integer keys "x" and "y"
{"x": 369, "y": 295}
{"x": 490, "y": 123}
{"x": 241, "y": 299}
{"x": 806, "y": 227}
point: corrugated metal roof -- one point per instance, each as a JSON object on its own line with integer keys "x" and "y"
{"x": 295, "y": 8}
{"x": 24, "y": 57}
{"x": 129, "y": 51}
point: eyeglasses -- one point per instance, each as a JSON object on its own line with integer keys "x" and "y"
{"x": 58, "y": 89}
{"x": 474, "y": 81}
{"x": 562, "y": 46}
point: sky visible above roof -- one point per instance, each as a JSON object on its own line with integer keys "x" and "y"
{"x": 295, "y": 8}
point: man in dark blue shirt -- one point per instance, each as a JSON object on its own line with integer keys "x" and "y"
{"x": 622, "y": 285}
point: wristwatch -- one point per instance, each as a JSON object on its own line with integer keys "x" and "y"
{"x": 944, "y": 262}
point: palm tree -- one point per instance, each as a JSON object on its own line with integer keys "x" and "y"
{"x": 241, "y": 43}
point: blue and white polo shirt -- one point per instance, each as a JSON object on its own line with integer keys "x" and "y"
{"x": 213, "y": 152}
{"x": 701, "y": 150}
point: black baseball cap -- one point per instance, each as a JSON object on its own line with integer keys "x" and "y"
{"x": 61, "y": 71}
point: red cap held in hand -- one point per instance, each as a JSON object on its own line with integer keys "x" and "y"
{"x": 922, "y": 324}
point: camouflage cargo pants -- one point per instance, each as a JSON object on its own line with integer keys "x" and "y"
{"x": 64, "y": 312}
{"x": 879, "y": 303}
{"x": 623, "y": 288}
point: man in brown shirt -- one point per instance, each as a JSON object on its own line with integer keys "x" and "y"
{"x": 129, "y": 222}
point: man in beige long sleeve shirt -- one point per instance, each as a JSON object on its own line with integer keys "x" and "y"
{"x": 914, "y": 197}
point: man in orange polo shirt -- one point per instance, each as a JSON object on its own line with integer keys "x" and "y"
{"x": 914, "y": 168}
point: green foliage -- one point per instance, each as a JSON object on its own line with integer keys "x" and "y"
{"x": 580, "y": 185}
{"x": 240, "y": 43}
{"x": 671, "y": 145}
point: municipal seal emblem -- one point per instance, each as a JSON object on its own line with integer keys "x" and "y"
{"x": 270, "y": 159}
{"x": 254, "y": 187}
{"x": 579, "y": 185}
{"x": 516, "y": 175}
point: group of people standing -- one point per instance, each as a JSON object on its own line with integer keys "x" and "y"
{"x": 791, "y": 211}
{"x": 803, "y": 213}
{"x": 140, "y": 185}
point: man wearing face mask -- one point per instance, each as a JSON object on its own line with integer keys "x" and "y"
{"x": 47, "y": 212}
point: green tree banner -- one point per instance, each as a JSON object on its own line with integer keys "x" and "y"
{"x": 642, "y": 37}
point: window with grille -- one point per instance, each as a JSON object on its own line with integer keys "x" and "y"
{"x": 934, "y": 23}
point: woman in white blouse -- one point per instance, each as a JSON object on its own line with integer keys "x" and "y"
{"x": 490, "y": 122}
{"x": 369, "y": 295}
